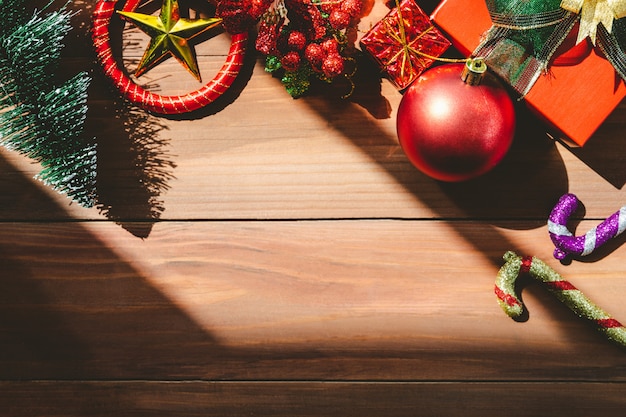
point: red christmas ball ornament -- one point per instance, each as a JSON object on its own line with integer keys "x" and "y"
{"x": 456, "y": 121}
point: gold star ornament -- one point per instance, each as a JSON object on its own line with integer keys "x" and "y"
{"x": 170, "y": 35}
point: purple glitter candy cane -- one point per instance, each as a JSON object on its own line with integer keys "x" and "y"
{"x": 566, "y": 243}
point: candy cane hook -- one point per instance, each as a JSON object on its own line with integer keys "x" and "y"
{"x": 564, "y": 291}
{"x": 568, "y": 244}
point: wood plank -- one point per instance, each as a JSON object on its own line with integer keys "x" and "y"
{"x": 239, "y": 175}
{"x": 276, "y": 399}
{"x": 400, "y": 300}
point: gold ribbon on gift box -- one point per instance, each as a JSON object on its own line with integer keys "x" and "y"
{"x": 407, "y": 48}
{"x": 594, "y": 12}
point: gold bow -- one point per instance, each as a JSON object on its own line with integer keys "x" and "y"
{"x": 594, "y": 12}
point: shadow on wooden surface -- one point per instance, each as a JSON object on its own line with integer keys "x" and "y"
{"x": 609, "y": 165}
{"x": 134, "y": 166}
{"x": 502, "y": 193}
{"x": 71, "y": 307}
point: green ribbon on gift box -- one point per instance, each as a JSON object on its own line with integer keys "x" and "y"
{"x": 526, "y": 34}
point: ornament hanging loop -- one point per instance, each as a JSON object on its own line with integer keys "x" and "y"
{"x": 474, "y": 71}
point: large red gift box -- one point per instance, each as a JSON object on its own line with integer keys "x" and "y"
{"x": 575, "y": 98}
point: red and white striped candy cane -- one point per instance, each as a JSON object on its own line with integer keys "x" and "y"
{"x": 156, "y": 103}
{"x": 564, "y": 291}
{"x": 568, "y": 244}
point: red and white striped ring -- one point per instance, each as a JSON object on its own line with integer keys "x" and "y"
{"x": 161, "y": 104}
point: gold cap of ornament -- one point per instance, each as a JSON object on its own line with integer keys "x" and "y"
{"x": 474, "y": 71}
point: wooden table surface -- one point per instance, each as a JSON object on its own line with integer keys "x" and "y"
{"x": 281, "y": 257}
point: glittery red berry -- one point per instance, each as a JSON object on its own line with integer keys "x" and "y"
{"x": 266, "y": 41}
{"x": 258, "y": 7}
{"x": 327, "y": 6}
{"x": 352, "y": 7}
{"x": 240, "y": 16}
{"x": 296, "y": 40}
{"x": 339, "y": 19}
{"x": 314, "y": 53}
{"x": 331, "y": 46}
{"x": 319, "y": 29}
{"x": 332, "y": 65}
{"x": 290, "y": 61}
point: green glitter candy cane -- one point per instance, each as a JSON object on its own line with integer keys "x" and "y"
{"x": 562, "y": 289}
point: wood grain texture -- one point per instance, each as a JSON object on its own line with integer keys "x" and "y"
{"x": 361, "y": 300}
{"x": 277, "y": 399}
{"x": 272, "y": 256}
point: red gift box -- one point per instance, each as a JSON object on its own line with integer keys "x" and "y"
{"x": 575, "y": 96}
{"x": 404, "y": 44}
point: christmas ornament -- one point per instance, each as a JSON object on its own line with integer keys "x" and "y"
{"x": 167, "y": 40}
{"x": 456, "y": 122}
{"x": 306, "y": 40}
{"x": 568, "y": 244}
{"x": 169, "y": 36}
{"x": 564, "y": 291}
{"x": 404, "y": 43}
{"x": 41, "y": 117}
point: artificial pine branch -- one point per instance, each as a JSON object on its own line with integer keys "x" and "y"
{"x": 40, "y": 117}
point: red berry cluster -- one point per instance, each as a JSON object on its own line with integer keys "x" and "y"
{"x": 239, "y": 16}
{"x": 342, "y": 13}
{"x": 309, "y": 35}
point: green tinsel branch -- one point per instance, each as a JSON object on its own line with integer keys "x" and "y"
{"x": 40, "y": 117}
